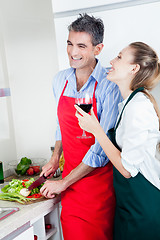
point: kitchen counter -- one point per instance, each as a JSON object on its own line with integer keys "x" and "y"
{"x": 26, "y": 215}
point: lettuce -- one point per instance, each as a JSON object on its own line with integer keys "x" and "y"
{"x": 16, "y": 185}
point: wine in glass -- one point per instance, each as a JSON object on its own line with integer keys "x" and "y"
{"x": 85, "y": 103}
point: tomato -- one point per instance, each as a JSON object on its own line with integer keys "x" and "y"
{"x": 35, "y": 237}
{"x": 36, "y": 169}
{"x": 36, "y": 195}
{"x": 30, "y": 171}
{"x": 48, "y": 226}
{"x": 23, "y": 184}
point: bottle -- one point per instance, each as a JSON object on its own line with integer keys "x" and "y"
{"x": 1, "y": 173}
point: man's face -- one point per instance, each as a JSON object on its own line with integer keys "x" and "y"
{"x": 81, "y": 52}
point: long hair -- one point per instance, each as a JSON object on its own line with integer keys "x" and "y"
{"x": 149, "y": 73}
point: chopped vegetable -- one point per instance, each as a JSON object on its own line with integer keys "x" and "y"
{"x": 25, "y": 192}
{"x": 11, "y": 192}
{"x": 36, "y": 195}
{"x": 14, "y": 197}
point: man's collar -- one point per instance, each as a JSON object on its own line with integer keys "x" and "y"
{"x": 97, "y": 72}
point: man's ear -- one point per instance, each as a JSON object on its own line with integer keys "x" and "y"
{"x": 98, "y": 48}
{"x": 135, "y": 68}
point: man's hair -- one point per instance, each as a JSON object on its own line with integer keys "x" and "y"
{"x": 91, "y": 25}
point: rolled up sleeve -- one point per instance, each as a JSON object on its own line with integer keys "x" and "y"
{"x": 96, "y": 157}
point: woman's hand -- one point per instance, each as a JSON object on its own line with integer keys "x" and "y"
{"x": 86, "y": 121}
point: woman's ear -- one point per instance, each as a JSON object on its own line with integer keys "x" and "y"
{"x": 98, "y": 48}
{"x": 135, "y": 68}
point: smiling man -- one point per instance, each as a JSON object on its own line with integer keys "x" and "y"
{"x": 87, "y": 194}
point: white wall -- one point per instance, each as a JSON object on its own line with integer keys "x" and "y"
{"x": 29, "y": 38}
{"x": 122, "y": 26}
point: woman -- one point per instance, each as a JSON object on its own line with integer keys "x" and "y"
{"x": 136, "y": 70}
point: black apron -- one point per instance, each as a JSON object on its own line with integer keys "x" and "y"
{"x": 137, "y": 214}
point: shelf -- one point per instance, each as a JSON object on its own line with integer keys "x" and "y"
{"x": 50, "y": 232}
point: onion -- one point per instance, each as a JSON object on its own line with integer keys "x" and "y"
{"x": 24, "y": 192}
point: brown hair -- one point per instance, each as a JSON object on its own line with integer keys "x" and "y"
{"x": 149, "y": 72}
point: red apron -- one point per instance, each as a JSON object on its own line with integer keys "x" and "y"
{"x": 88, "y": 206}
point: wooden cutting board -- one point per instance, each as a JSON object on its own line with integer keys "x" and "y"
{"x": 36, "y": 200}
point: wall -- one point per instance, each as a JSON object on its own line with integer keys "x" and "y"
{"x": 7, "y": 137}
{"x": 29, "y": 39}
{"x": 123, "y": 25}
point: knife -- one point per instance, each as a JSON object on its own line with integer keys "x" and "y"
{"x": 38, "y": 182}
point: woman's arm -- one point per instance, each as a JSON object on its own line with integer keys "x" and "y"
{"x": 90, "y": 124}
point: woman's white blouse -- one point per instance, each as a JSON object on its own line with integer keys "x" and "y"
{"x": 137, "y": 135}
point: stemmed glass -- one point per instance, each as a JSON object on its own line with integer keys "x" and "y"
{"x": 85, "y": 103}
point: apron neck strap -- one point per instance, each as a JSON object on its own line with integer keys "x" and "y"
{"x": 130, "y": 97}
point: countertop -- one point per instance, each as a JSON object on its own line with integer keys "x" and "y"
{"x": 25, "y": 214}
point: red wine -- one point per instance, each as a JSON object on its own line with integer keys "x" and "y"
{"x": 85, "y": 107}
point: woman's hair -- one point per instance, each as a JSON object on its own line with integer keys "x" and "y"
{"x": 91, "y": 25}
{"x": 149, "y": 72}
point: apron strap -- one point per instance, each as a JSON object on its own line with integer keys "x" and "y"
{"x": 130, "y": 97}
{"x": 64, "y": 88}
{"x": 95, "y": 89}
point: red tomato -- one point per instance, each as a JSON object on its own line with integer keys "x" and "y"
{"x": 35, "y": 237}
{"x": 30, "y": 171}
{"x": 36, "y": 169}
{"x": 48, "y": 226}
{"x": 23, "y": 184}
{"x": 35, "y": 195}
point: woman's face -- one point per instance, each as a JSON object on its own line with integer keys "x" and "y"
{"x": 122, "y": 67}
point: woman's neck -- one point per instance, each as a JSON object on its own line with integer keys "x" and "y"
{"x": 125, "y": 91}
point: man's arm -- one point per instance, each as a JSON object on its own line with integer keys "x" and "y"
{"x": 97, "y": 157}
{"x": 50, "y": 188}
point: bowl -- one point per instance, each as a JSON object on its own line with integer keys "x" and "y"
{"x": 34, "y": 162}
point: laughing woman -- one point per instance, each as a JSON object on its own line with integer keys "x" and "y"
{"x": 131, "y": 145}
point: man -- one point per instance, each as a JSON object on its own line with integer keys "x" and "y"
{"x": 86, "y": 188}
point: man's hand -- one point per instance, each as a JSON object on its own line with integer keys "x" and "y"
{"x": 51, "y": 188}
{"x": 50, "y": 168}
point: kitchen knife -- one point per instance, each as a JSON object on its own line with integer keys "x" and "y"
{"x": 38, "y": 182}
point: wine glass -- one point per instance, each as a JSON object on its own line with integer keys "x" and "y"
{"x": 85, "y": 103}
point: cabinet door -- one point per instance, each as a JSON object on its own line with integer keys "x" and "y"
{"x": 26, "y": 235}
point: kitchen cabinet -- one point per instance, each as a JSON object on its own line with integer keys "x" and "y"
{"x": 30, "y": 220}
{"x": 28, "y": 234}
{"x": 51, "y": 216}
{"x": 71, "y": 5}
